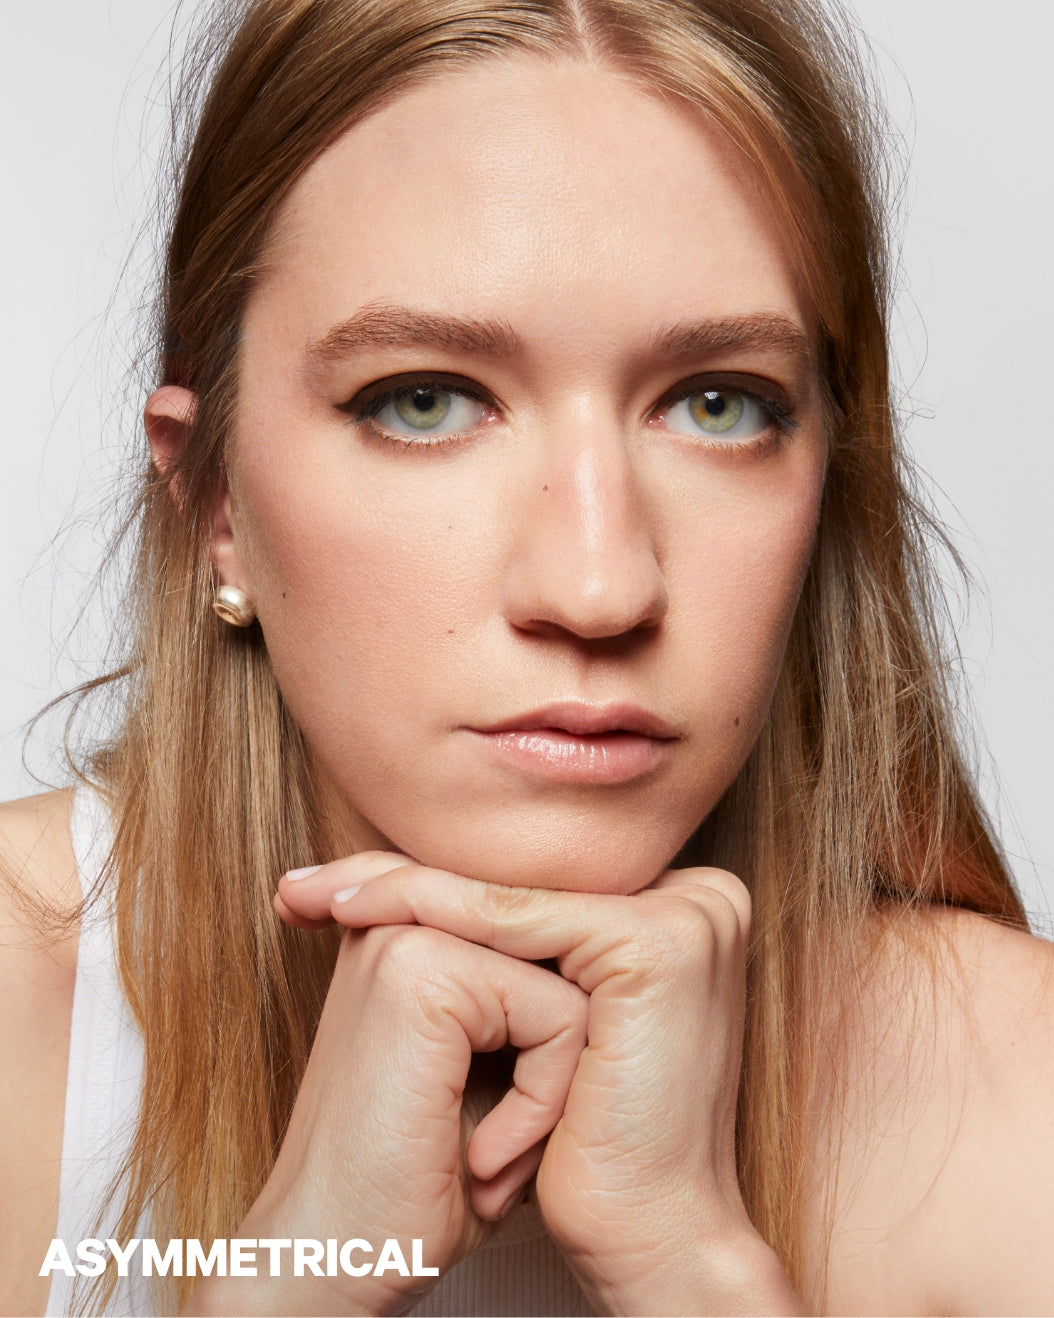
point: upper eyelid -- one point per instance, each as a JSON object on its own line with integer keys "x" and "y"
{"x": 751, "y": 386}
{"x": 390, "y": 386}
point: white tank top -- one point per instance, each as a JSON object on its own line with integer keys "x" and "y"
{"x": 519, "y": 1271}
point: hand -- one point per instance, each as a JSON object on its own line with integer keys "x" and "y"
{"x": 637, "y": 1183}
{"x": 375, "y": 1146}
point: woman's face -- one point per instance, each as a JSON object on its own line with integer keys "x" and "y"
{"x": 527, "y": 469}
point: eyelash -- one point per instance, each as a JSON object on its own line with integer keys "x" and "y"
{"x": 370, "y": 402}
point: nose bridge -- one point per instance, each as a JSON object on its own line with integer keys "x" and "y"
{"x": 600, "y": 499}
{"x": 587, "y": 559}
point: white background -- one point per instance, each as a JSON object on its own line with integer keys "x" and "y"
{"x": 83, "y": 113}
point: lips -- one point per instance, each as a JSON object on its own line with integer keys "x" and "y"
{"x": 572, "y": 742}
{"x": 582, "y": 720}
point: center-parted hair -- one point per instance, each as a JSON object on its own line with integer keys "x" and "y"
{"x": 854, "y": 797}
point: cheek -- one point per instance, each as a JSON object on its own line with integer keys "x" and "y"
{"x": 742, "y": 577}
{"x": 359, "y": 594}
{"x": 739, "y": 594}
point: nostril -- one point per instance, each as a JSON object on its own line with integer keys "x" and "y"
{"x": 617, "y": 645}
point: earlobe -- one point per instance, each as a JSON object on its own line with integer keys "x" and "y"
{"x": 232, "y": 600}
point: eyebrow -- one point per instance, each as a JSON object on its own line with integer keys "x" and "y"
{"x": 380, "y": 325}
{"x": 759, "y": 329}
{"x": 396, "y": 327}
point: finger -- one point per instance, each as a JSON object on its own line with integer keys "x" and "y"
{"x": 305, "y": 896}
{"x": 702, "y": 882}
{"x": 461, "y": 999}
{"x": 492, "y": 1199}
{"x": 546, "y": 1019}
{"x": 540, "y": 1084}
{"x": 530, "y": 924}
{"x": 592, "y": 936}
{"x": 293, "y": 918}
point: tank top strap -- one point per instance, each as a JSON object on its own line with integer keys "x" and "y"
{"x": 105, "y": 1073}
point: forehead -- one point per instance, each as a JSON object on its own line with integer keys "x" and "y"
{"x": 530, "y": 190}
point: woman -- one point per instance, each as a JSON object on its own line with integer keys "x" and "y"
{"x": 523, "y": 416}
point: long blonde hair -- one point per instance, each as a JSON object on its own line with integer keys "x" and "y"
{"x": 855, "y": 795}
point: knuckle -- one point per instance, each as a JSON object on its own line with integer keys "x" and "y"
{"x": 401, "y": 952}
{"x": 685, "y": 922}
{"x": 725, "y": 898}
{"x": 735, "y": 892}
{"x": 683, "y": 930}
{"x": 668, "y": 937}
{"x": 503, "y": 903}
{"x": 575, "y": 1000}
{"x": 578, "y": 1010}
{"x": 566, "y": 1008}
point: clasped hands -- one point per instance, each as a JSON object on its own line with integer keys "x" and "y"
{"x": 622, "y": 1100}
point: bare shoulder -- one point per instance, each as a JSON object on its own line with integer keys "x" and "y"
{"x": 35, "y": 844}
{"x": 943, "y": 1195}
{"x": 38, "y": 883}
{"x": 38, "y": 877}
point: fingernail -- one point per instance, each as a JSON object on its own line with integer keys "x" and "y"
{"x": 302, "y": 873}
{"x": 510, "y": 1203}
{"x": 346, "y": 894}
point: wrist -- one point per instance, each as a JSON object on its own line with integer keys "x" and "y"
{"x": 746, "y": 1277}
{"x": 738, "y": 1274}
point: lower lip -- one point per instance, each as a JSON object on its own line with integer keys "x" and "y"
{"x": 609, "y": 757}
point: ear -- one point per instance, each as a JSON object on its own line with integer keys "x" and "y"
{"x": 169, "y": 418}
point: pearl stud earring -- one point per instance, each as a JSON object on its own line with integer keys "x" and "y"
{"x": 233, "y": 606}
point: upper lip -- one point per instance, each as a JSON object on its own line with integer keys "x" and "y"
{"x": 584, "y": 720}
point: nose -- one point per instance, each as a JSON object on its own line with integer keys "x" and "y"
{"x": 584, "y": 560}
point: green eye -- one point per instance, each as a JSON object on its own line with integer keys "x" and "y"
{"x": 422, "y": 411}
{"x": 725, "y": 417}
{"x": 716, "y": 411}
{"x": 422, "y": 408}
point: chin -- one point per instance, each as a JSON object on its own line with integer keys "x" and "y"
{"x": 617, "y": 863}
